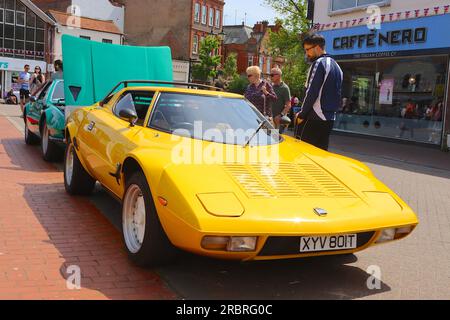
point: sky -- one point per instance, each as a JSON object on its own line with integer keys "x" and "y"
{"x": 256, "y": 10}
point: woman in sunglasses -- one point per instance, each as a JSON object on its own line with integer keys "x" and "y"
{"x": 259, "y": 92}
{"x": 37, "y": 79}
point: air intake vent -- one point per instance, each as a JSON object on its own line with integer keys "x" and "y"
{"x": 287, "y": 180}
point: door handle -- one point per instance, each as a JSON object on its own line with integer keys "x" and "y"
{"x": 91, "y": 126}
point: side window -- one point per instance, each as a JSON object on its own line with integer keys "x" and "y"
{"x": 58, "y": 92}
{"x": 44, "y": 91}
{"x": 139, "y": 100}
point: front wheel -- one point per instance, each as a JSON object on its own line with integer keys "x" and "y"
{"x": 50, "y": 151}
{"x": 145, "y": 240}
{"x": 76, "y": 180}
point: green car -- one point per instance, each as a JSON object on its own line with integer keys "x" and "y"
{"x": 44, "y": 118}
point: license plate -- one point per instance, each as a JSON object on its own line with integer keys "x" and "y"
{"x": 328, "y": 243}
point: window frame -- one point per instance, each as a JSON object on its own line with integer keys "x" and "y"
{"x": 211, "y": 17}
{"x": 197, "y": 12}
{"x": 217, "y": 18}
{"x": 331, "y": 12}
{"x": 204, "y": 15}
{"x": 14, "y": 16}
{"x": 149, "y": 110}
{"x": 195, "y": 44}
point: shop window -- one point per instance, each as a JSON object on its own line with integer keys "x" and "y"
{"x": 2, "y": 3}
{"x": 395, "y": 98}
{"x": 1, "y": 15}
{"x": 39, "y": 47}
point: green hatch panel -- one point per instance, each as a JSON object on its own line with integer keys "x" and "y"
{"x": 92, "y": 69}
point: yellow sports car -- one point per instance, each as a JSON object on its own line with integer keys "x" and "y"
{"x": 205, "y": 172}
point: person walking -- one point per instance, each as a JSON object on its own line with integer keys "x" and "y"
{"x": 323, "y": 94}
{"x": 259, "y": 92}
{"x": 24, "y": 81}
{"x": 37, "y": 80}
{"x": 282, "y": 105}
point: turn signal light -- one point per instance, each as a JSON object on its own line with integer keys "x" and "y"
{"x": 233, "y": 244}
{"x": 394, "y": 234}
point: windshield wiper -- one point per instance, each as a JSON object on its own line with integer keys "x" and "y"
{"x": 256, "y": 132}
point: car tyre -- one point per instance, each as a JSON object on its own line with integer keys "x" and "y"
{"x": 76, "y": 180}
{"x": 50, "y": 150}
{"x": 145, "y": 239}
{"x": 30, "y": 137}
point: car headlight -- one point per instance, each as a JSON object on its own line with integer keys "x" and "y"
{"x": 233, "y": 244}
{"x": 394, "y": 234}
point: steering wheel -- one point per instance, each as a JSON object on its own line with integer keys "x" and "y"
{"x": 183, "y": 125}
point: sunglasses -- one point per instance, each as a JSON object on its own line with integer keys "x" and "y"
{"x": 307, "y": 49}
{"x": 249, "y": 75}
{"x": 274, "y": 74}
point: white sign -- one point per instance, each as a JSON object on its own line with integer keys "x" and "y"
{"x": 11, "y": 64}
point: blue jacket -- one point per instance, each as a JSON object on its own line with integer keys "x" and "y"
{"x": 323, "y": 90}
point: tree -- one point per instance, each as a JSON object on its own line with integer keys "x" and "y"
{"x": 286, "y": 42}
{"x": 206, "y": 70}
{"x": 230, "y": 67}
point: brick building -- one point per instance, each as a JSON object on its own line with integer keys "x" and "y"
{"x": 250, "y": 46}
{"x": 179, "y": 24}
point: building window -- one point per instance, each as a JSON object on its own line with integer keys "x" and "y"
{"x": 211, "y": 17}
{"x": 261, "y": 62}
{"x": 195, "y": 44}
{"x": 337, "y": 5}
{"x": 268, "y": 65}
{"x": 197, "y": 12}
{"x": 250, "y": 60}
{"x": 9, "y": 17}
{"x": 107, "y": 41}
{"x": 1, "y": 16}
{"x": 218, "y": 17}
{"x": 85, "y": 37}
{"x": 203, "y": 14}
{"x": 20, "y": 18}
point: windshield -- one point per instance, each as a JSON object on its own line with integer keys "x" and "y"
{"x": 212, "y": 118}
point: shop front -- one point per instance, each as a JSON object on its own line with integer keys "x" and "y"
{"x": 395, "y": 79}
{"x": 9, "y": 72}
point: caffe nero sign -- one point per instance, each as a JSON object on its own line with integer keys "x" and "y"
{"x": 378, "y": 39}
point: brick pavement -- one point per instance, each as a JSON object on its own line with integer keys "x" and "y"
{"x": 43, "y": 231}
{"x": 38, "y": 240}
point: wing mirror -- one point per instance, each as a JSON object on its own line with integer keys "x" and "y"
{"x": 33, "y": 99}
{"x": 129, "y": 115}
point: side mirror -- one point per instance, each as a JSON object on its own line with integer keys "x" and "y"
{"x": 285, "y": 120}
{"x": 33, "y": 99}
{"x": 129, "y": 115}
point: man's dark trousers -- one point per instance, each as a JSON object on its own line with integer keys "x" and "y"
{"x": 315, "y": 132}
